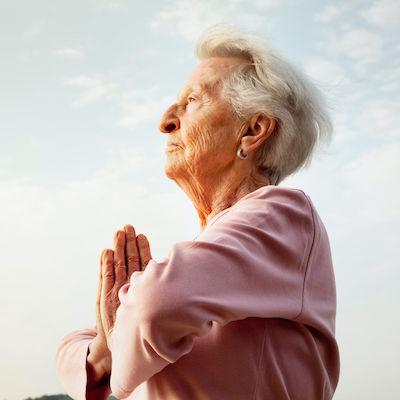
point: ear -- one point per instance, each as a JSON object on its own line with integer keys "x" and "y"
{"x": 260, "y": 129}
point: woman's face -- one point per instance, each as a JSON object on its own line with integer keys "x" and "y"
{"x": 204, "y": 133}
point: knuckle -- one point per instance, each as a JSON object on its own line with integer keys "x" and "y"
{"x": 108, "y": 253}
{"x": 133, "y": 259}
{"x": 119, "y": 234}
{"x": 146, "y": 261}
{"x": 120, "y": 264}
{"x": 109, "y": 263}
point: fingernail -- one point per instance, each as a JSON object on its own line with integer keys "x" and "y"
{"x": 129, "y": 232}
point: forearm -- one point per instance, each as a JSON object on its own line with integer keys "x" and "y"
{"x": 98, "y": 369}
{"x": 79, "y": 377}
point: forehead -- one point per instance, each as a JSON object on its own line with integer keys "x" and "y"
{"x": 210, "y": 72}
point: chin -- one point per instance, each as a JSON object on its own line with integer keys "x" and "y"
{"x": 171, "y": 170}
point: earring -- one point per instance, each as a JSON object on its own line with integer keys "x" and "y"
{"x": 241, "y": 155}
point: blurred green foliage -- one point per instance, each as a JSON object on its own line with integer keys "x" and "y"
{"x": 58, "y": 397}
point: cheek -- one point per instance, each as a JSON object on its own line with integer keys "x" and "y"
{"x": 210, "y": 139}
{"x": 199, "y": 141}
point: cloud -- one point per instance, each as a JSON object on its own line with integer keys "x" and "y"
{"x": 265, "y": 3}
{"x": 34, "y": 29}
{"x": 328, "y": 14}
{"x": 327, "y": 72}
{"x": 113, "y": 5}
{"x": 93, "y": 94}
{"x": 190, "y": 17}
{"x": 387, "y": 79}
{"x": 135, "y": 106}
{"x": 53, "y": 237}
{"x": 93, "y": 90}
{"x": 357, "y": 44}
{"x": 379, "y": 117}
{"x": 69, "y": 53}
{"x": 83, "y": 81}
{"x": 383, "y": 13}
{"x": 140, "y": 106}
{"x": 372, "y": 177}
{"x": 361, "y": 37}
{"x": 51, "y": 220}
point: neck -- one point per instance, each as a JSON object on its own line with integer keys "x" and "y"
{"x": 213, "y": 193}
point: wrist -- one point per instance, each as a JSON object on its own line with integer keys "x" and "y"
{"x": 99, "y": 358}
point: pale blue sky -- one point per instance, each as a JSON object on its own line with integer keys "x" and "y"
{"x": 83, "y": 85}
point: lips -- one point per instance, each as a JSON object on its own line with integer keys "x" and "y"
{"x": 171, "y": 145}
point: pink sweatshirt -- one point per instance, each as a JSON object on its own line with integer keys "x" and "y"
{"x": 244, "y": 311}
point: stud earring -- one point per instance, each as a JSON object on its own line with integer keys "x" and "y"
{"x": 241, "y": 155}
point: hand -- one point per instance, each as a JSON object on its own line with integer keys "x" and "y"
{"x": 130, "y": 254}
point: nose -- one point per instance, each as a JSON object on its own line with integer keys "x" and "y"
{"x": 169, "y": 121}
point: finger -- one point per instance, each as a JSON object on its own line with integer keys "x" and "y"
{"x": 108, "y": 302}
{"x": 144, "y": 250}
{"x": 119, "y": 258}
{"x": 132, "y": 252}
{"x": 100, "y": 280}
{"x": 107, "y": 273}
{"x": 99, "y": 324}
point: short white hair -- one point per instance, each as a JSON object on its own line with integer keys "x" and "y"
{"x": 272, "y": 86}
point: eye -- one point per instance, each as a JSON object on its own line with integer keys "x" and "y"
{"x": 190, "y": 99}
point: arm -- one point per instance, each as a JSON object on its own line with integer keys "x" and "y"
{"x": 83, "y": 359}
{"x": 250, "y": 263}
{"x": 73, "y": 370}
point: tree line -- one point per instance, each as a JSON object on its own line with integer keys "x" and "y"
{"x": 59, "y": 397}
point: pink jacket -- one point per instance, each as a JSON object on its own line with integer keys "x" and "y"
{"x": 244, "y": 311}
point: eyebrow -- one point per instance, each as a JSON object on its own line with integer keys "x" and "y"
{"x": 205, "y": 88}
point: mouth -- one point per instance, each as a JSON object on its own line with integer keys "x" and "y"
{"x": 171, "y": 146}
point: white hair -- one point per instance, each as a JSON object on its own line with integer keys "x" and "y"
{"x": 272, "y": 86}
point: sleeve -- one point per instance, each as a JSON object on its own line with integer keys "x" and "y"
{"x": 250, "y": 262}
{"x": 71, "y": 365}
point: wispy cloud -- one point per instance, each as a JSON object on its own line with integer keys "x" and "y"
{"x": 33, "y": 30}
{"x": 265, "y": 3}
{"x": 371, "y": 176}
{"x": 93, "y": 89}
{"x": 100, "y": 203}
{"x": 135, "y": 106}
{"x": 383, "y": 13}
{"x": 328, "y": 14}
{"x": 190, "y": 17}
{"x": 140, "y": 106}
{"x": 380, "y": 117}
{"x": 357, "y": 44}
{"x": 69, "y": 53}
{"x": 362, "y": 36}
{"x": 111, "y": 5}
{"x": 83, "y": 81}
{"x": 327, "y": 72}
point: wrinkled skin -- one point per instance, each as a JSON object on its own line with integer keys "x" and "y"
{"x": 204, "y": 137}
{"x": 206, "y": 131}
{"x": 131, "y": 253}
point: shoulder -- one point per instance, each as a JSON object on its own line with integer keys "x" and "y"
{"x": 269, "y": 203}
{"x": 269, "y": 220}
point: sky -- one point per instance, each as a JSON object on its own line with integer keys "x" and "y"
{"x": 83, "y": 86}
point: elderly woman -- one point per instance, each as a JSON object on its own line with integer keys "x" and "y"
{"x": 246, "y": 310}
